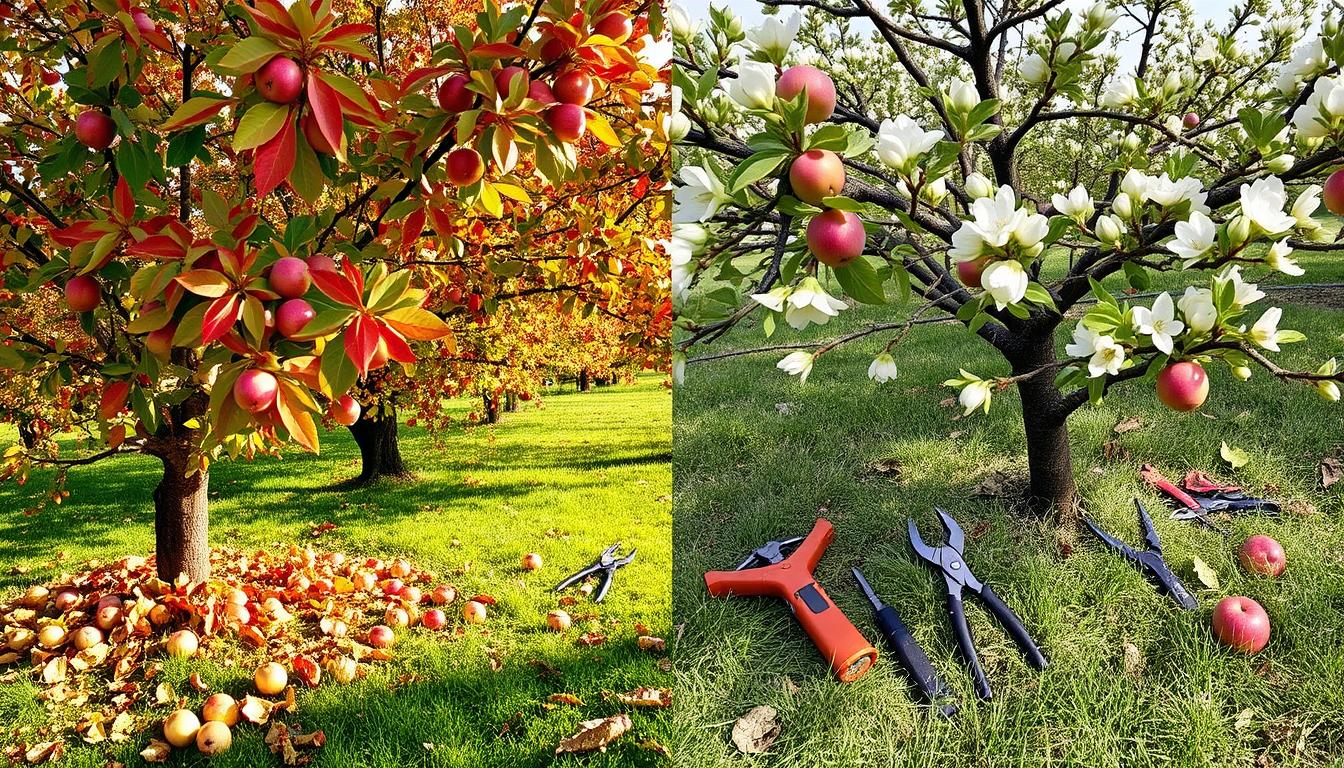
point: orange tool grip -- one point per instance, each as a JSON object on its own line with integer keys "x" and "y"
{"x": 791, "y": 580}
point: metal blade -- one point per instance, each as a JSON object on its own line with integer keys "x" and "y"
{"x": 1149, "y": 532}
{"x": 867, "y": 589}
{"x": 921, "y": 549}
{"x": 955, "y": 538}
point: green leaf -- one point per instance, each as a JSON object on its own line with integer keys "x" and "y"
{"x": 1138, "y": 276}
{"x": 753, "y": 169}
{"x": 842, "y": 203}
{"x": 184, "y": 146}
{"x": 106, "y": 61}
{"x": 1235, "y": 457}
{"x": 1058, "y": 226}
{"x": 259, "y": 125}
{"x": 1038, "y": 295}
{"x": 249, "y": 54}
{"x": 338, "y": 373}
{"x": 1205, "y": 573}
{"x": 861, "y": 281}
{"x": 133, "y": 163}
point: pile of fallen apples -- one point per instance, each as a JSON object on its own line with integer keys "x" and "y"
{"x": 306, "y": 612}
{"x": 1241, "y": 622}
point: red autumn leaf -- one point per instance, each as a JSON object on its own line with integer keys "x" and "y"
{"x": 272, "y": 17}
{"x": 220, "y": 317}
{"x": 397, "y": 348}
{"x": 158, "y": 247}
{"x": 82, "y": 232}
{"x": 419, "y": 76}
{"x": 338, "y": 288}
{"x": 195, "y": 111}
{"x": 361, "y": 342}
{"x": 123, "y": 201}
{"x": 114, "y": 399}
{"x": 498, "y": 51}
{"x": 205, "y": 282}
{"x": 326, "y": 110}
{"x": 306, "y": 670}
{"x": 274, "y": 160}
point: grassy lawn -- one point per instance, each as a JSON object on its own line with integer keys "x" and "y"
{"x": 591, "y": 469}
{"x": 758, "y": 457}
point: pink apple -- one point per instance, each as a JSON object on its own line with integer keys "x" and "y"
{"x": 82, "y": 293}
{"x": 969, "y": 272}
{"x": 344, "y": 410}
{"x": 464, "y": 166}
{"x": 615, "y": 25}
{"x": 434, "y": 619}
{"x": 279, "y": 80}
{"x": 321, "y": 263}
{"x": 95, "y": 130}
{"x": 1183, "y": 386}
{"x": 836, "y": 237}
{"x": 817, "y": 174}
{"x": 567, "y": 121}
{"x": 574, "y": 87}
{"x": 1334, "y": 193}
{"x": 1190, "y": 121}
{"x": 293, "y": 316}
{"x": 443, "y": 595}
{"x": 393, "y": 587}
{"x": 290, "y": 277}
{"x": 255, "y": 390}
{"x": 505, "y": 78}
{"x": 143, "y": 23}
{"x": 1241, "y": 623}
{"x": 454, "y": 96}
{"x": 1263, "y": 555}
{"x": 540, "y": 91}
{"x": 820, "y": 90}
{"x": 381, "y": 637}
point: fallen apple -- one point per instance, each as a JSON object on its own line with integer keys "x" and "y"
{"x": 473, "y": 612}
{"x": 381, "y": 637}
{"x": 51, "y": 636}
{"x": 183, "y": 644}
{"x": 531, "y": 561}
{"x": 270, "y": 679}
{"x": 434, "y": 619}
{"x": 1241, "y": 623}
{"x": 108, "y": 616}
{"x": 36, "y": 597}
{"x": 443, "y": 595}
{"x": 180, "y": 727}
{"x": 558, "y": 620}
{"x": 220, "y": 708}
{"x": 411, "y": 595}
{"x": 1263, "y": 555}
{"x": 397, "y": 617}
{"x": 87, "y": 637}
{"x": 214, "y": 738}
{"x": 400, "y": 568}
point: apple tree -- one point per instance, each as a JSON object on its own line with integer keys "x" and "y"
{"x": 999, "y": 166}
{"x": 217, "y": 196}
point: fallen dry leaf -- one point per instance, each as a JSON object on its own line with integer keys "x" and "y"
{"x": 1205, "y": 573}
{"x": 592, "y": 638}
{"x": 1332, "y": 471}
{"x": 256, "y": 711}
{"x": 653, "y": 698}
{"x": 44, "y": 752}
{"x": 754, "y": 732}
{"x": 887, "y": 467}
{"x": 650, "y": 643}
{"x": 595, "y": 734}
{"x": 652, "y": 746}
{"x": 156, "y": 752}
{"x": 1128, "y": 425}
{"x": 1134, "y": 661}
{"x": 556, "y": 699}
{"x": 196, "y": 682}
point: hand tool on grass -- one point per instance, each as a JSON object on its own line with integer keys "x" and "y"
{"x": 1150, "y": 560}
{"x": 957, "y": 575}
{"x": 912, "y": 656}
{"x": 783, "y": 569}
{"x": 1199, "y": 496}
{"x": 606, "y": 564}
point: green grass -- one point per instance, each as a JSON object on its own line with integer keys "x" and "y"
{"x": 759, "y": 457}
{"x": 595, "y": 468}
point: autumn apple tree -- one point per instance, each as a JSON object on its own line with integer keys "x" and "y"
{"x": 214, "y": 194}
{"x": 800, "y": 187}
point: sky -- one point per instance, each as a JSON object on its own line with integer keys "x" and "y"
{"x": 750, "y": 11}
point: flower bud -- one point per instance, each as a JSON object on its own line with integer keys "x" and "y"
{"x": 1239, "y": 230}
{"x": 1122, "y": 206}
{"x": 1109, "y": 230}
{"x": 1280, "y": 164}
{"x": 978, "y": 185}
{"x": 1131, "y": 141}
{"x": 1328, "y": 390}
{"x": 1241, "y": 372}
{"x": 1172, "y": 84}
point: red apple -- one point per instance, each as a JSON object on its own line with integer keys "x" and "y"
{"x": 87, "y": 637}
{"x": 142, "y": 21}
{"x": 505, "y": 78}
{"x": 454, "y": 96}
{"x": 66, "y": 599}
{"x": 443, "y": 595}
{"x": 290, "y": 277}
{"x": 558, "y": 620}
{"x": 411, "y": 595}
{"x": 968, "y": 272}
{"x": 95, "y": 130}
{"x": 1263, "y": 555}
{"x": 400, "y": 568}
{"x": 321, "y": 263}
{"x": 312, "y": 132}
{"x": 1241, "y": 623}
{"x": 381, "y": 637}
{"x": 160, "y": 342}
{"x": 1334, "y": 193}
{"x": 1183, "y": 386}
{"x": 1190, "y": 121}
{"x": 540, "y": 91}
{"x": 574, "y": 87}
{"x": 279, "y": 80}
{"x": 464, "y": 166}
{"x": 182, "y": 644}
{"x": 615, "y": 25}
{"x": 555, "y": 49}
{"x": 293, "y": 316}
{"x": 345, "y": 411}
{"x": 817, "y": 174}
{"x": 255, "y": 390}
{"x": 434, "y": 619}
{"x": 397, "y": 617}
{"x": 531, "y": 561}
{"x": 568, "y": 121}
{"x": 393, "y": 587}
{"x": 473, "y": 612}
{"x": 836, "y": 237}
{"x": 82, "y": 293}
{"x": 820, "y": 90}
{"x": 380, "y": 356}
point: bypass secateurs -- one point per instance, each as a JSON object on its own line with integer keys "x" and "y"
{"x": 1199, "y": 496}
{"x": 1150, "y": 560}
{"x": 606, "y": 564}
{"x": 949, "y": 561}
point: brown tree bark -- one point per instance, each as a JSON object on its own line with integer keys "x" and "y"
{"x": 583, "y": 381}
{"x": 491, "y": 406}
{"x": 1045, "y": 418}
{"x": 379, "y": 451}
{"x": 181, "y": 516}
{"x": 511, "y": 402}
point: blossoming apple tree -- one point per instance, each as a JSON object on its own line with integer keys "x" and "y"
{"x": 794, "y": 183}
{"x": 221, "y": 197}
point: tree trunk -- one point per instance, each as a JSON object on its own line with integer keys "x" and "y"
{"x": 1045, "y": 418}
{"x": 28, "y": 434}
{"x": 511, "y": 402}
{"x": 491, "y": 408}
{"x": 181, "y": 517}
{"x": 379, "y": 453}
{"x": 583, "y": 381}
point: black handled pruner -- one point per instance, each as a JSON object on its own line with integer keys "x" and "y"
{"x": 958, "y": 577}
{"x": 606, "y": 565}
{"x": 1150, "y": 560}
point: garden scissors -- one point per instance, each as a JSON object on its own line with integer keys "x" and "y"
{"x": 606, "y": 564}
{"x": 1150, "y": 560}
{"x": 957, "y": 575}
{"x": 1202, "y": 497}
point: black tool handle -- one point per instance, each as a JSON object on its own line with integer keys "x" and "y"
{"x": 604, "y": 586}
{"x": 1013, "y": 626}
{"x": 915, "y": 661}
{"x": 967, "y": 645}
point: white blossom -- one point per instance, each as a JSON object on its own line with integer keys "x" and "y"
{"x": 1107, "y": 358}
{"x": 775, "y": 36}
{"x": 678, "y": 368}
{"x": 962, "y": 95}
{"x": 1324, "y": 105}
{"x": 1077, "y": 206}
{"x": 1308, "y": 60}
{"x": 1034, "y": 69}
{"x": 678, "y": 124}
{"x": 1101, "y": 16}
{"x": 681, "y": 24}
{"x": 774, "y": 300}
{"x": 1198, "y": 309}
{"x": 1194, "y": 238}
{"x": 1265, "y": 332}
{"x": 882, "y": 369}
{"x": 754, "y": 86}
{"x": 1305, "y": 206}
{"x": 701, "y": 196}
{"x": 810, "y": 303}
{"x": 797, "y": 364}
{"x": 1110, "y": 229}
{"x": 976, "y": 394}
{"x": 1244, "y": 293}
{"x": 1159, "y": 322}
{"x": 901, "y": 140}
{"x": 1277, "y": 259}
{"x": 978, "y": 185}
{"x": 1123, "y": 91}
{"x": 1262, "y": 203}
{"x": 1006, "y": 281}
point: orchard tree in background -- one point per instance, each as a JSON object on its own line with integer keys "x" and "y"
{"x": 999, "y": 163}
{"x": 222, "y": 198}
